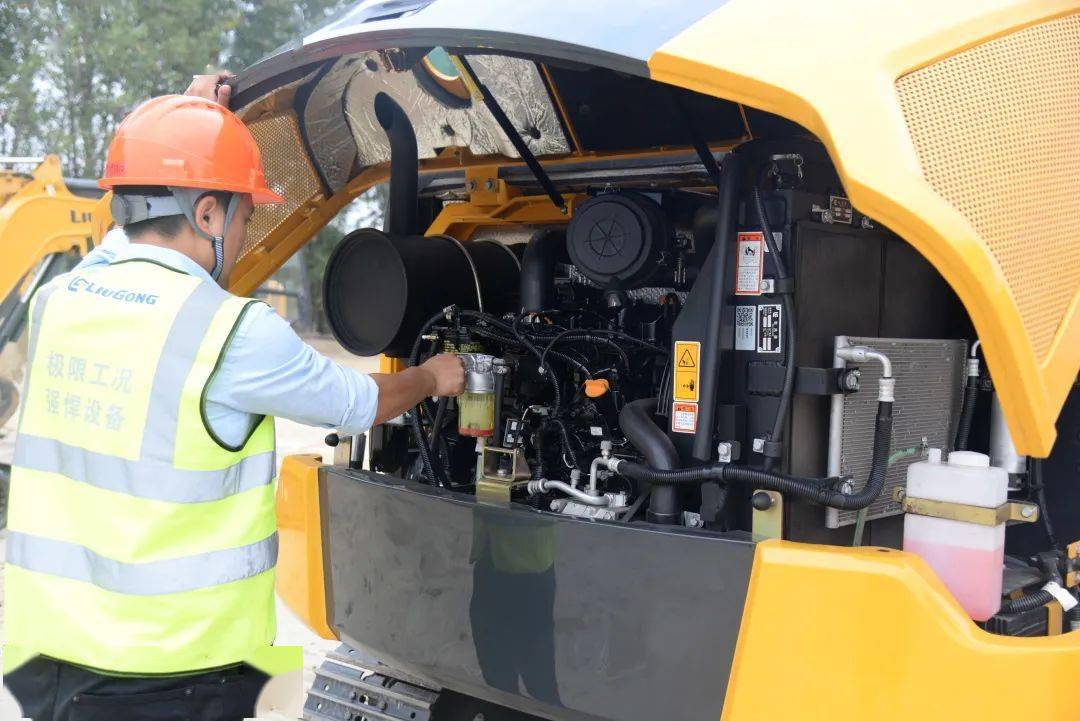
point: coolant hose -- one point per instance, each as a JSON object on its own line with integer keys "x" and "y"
{"x": 822, "y": 491}
{"x": 967, "y": 412}
{"x": 635, "y": 420}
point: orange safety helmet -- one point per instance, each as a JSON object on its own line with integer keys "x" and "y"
{"x": 186, "y": 142}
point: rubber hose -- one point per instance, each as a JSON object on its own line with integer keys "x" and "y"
{"x": 635, "y": 420}
{"x": 789, "y": 326}
{"x": 1036, "y": 480}
{"x": 816, "y": 490}
{"x": 567, "y": 446}
{"x": 425, "y": 451}
{"x": 538, "y": 270}
{"x": 967, "y": 413}
{"x": 1027, "y": 603}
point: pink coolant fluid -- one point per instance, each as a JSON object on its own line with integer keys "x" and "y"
{"x": 967, "y": 557}
{"x": 973, "y": 575}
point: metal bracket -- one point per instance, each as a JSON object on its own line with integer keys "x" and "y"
{"x": 769, "y": 523}
{"x": 1072, "y": 575}
{"x": 501, "y": 470}
{"x": 1015, "y": 511}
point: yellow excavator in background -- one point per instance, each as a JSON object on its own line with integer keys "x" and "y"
{"x": 47, "y": 222}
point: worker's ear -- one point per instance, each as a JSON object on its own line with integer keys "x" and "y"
{"x": 210, "y": 215}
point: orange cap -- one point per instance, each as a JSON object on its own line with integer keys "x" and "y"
{"x": 596, "y": 387}
{"x": 187, "y": 142}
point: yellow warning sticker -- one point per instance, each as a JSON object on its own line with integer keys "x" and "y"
{"x": 687, "y": 370}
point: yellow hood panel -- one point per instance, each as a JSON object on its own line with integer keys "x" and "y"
{"x": 957, "y": 125}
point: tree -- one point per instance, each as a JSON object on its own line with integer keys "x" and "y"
{"x": 266, "y": 25}
{"x": 19, "y": 64}
{"x": 71, "y": 69}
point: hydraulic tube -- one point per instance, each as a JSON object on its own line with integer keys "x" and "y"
{"x": 637, "y": 425}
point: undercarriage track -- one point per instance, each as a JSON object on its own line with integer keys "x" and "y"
{"x": 351, "y": 686}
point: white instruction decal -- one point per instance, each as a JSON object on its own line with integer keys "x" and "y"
{"x": 684, "y": 417}
{"x": 745, "y": 327}
{"x": 768, "y": 328}
{"x": 749, "y": 264}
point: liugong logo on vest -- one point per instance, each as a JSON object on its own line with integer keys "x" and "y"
{"x": 79, "y": 283}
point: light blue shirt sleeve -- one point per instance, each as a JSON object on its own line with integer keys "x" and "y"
{"x": 269, "y": 370}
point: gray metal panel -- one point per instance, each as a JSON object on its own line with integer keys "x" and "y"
{"x": 587, "y": 620}
{"x": 615, "y": 34}
{"x": 929, "y": 390}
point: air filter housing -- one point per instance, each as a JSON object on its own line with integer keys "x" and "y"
{"x": 379, "y": 288}
{"x": 616, "y": 239}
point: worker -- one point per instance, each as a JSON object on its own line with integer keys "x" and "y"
{"x": 142, "y": 542}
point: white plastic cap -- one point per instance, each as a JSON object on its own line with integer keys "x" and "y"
{"x": 969, "y": 458}
{"x": 933, "y": 455}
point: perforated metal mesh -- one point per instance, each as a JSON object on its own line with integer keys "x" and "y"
{"x": 997, "y": 131}
{"x": 288, "y": 172}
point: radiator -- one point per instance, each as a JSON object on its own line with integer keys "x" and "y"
{"x": 930, "y": 377}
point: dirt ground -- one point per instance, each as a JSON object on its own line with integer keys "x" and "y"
{"x": 291, "y": 438}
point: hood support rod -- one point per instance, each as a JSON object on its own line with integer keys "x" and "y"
{"x": 515, "y": 137}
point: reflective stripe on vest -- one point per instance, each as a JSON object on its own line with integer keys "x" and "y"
{"x": 138, "y": 543}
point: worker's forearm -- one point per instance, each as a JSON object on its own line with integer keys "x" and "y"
{"x": 399, "y": 392}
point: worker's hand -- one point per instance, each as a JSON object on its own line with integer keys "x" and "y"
{"x": 211, "y": 87}
{"x": 448, "y": 373}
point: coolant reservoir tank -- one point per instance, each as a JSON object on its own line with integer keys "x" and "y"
{"x": 968, "y": 557}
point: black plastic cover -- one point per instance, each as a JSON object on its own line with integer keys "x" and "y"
{"x": 616, "y": 239}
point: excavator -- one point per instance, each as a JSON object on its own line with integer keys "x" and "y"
{"x": 47, "y": 222}
{"x": 771, "y": 320}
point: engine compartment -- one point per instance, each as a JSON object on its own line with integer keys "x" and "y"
{"x": 756, "y": 356}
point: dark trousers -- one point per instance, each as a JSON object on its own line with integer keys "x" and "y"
{"x": 51, "y": 690}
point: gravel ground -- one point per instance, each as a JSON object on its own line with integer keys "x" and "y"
{"x": 291, "y": 438}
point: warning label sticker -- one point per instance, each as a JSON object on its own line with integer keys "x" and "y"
{"x": 687, "y": 370}
{"x": 768, "y": 328}
{"x": 745, "y": 327}
{"x": 684, "y": 417}
{"x": 749, "y": 263}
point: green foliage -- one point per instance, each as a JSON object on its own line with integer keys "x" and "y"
{"x": 266, "y": 25}
{"x": 71, "y": 69}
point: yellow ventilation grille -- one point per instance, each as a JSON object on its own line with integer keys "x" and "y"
{"x": 997, "y": 131}
{"x": 287, "y": 171}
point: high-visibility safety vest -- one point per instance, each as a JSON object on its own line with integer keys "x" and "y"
{"x": 138, "y": 542}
